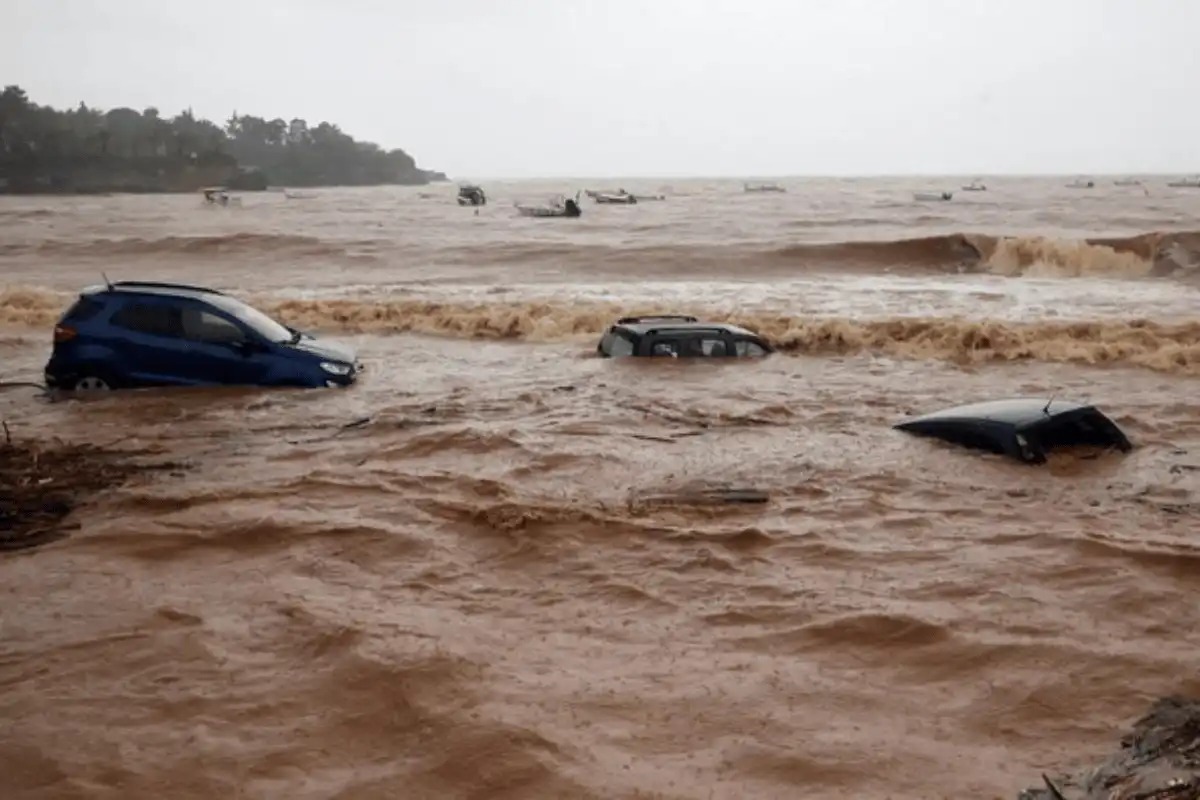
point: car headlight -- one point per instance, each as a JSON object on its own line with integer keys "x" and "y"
{"x": 333, "y": 368}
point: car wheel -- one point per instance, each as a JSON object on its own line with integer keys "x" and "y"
{"x": 92, "y": 381}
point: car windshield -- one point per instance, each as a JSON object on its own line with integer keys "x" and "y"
{"x": 263, "y": 325}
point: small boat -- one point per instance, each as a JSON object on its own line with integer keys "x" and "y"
{"x": 219, "y": 196}
{"x": 1081, "y": 184}
{"x": 975, "y": 186}
{"x": 617, "y": 198}
{"x": 471, "y": 195}
{"x": 1127, "y": 182}
{"x": 932, "y": 197}
{"x": 297, "y": 195}
{"x": 558, "y": 207}
{"x": 762, "y": 187}
{"x": 1185, "y": 183}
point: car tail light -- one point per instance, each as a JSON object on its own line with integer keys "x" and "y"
{"x": 64, "y": 333}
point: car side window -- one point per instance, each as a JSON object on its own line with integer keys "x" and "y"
{"x": 701, "y": 346}
{"x": 665, "y": 347}
{"x": 205, "y": 326}
{"x": 746, "y": 348}
{"x": 151, "y": 319}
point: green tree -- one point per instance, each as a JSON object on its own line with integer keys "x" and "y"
{"x": 122, "y": 149}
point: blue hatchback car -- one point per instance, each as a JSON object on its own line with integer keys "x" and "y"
{"x": 133, "y": 334}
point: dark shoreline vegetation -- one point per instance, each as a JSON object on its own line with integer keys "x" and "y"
{"x": 83, "y": 150}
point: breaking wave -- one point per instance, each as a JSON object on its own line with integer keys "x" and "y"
{"x": 1145, "y": 255}
{"x": 1156, "y": 254}
{"x": 1161, "y": 346}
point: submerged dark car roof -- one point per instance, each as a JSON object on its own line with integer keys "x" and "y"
{"x": 1017, "y": 411}
{"x": 640, "y": 328}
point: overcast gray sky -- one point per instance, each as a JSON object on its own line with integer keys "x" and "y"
{"x": 524, "y": 88}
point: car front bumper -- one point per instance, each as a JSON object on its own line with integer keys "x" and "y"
{"x": 344, "y": 381}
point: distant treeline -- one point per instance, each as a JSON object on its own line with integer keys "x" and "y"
{"x": 43, "y": 149}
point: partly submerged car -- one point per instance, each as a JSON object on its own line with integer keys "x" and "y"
{"x": 677, "y": 336}
{"x": 1024, "y": 428}
{"x": 471, "y": 195}
{"x": 133, "y": 334}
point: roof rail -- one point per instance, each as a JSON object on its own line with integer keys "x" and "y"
{"x": 657, "y": 318}
{"x": 163, "y": 285}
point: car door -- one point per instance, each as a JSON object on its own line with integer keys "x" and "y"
{"x": 217, "y": 351}
{"x": 145, "y": 339}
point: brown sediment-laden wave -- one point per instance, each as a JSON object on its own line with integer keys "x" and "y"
{"x": 1172, "y": 347}
{"x": 1146, "y": 255}
{"x": 232, "y": 244}
{"x": 1158, "y": 254}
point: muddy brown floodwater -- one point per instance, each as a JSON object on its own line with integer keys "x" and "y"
{"x": 501, "y": 583}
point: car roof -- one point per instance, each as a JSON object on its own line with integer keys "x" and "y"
{"x": 180, "y": 290}
{"x": 1015, "y": 411}
{"x": 643, "y": 325}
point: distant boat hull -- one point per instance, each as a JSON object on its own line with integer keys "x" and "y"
{"x": 615, "y": 199}
{"x": 568, "y": 209}
{"x": 931, "y": 197}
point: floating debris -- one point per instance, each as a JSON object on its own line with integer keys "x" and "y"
{"x": 1158, "y": 760}
{"x": 41, "y": 484}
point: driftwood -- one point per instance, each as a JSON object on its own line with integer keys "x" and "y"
{"x": 1158, "y": 760}
{"x": 42, "y": 483}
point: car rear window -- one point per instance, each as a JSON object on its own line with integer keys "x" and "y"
{"x": 615, "y": 345}
{"x": 83, "y": 309}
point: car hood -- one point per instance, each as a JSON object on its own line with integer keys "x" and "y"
{"x": 330, "y": 351}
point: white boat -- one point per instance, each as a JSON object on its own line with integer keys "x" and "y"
{"x": 975, "y": 186}
{"x": 619, "y": 194}
{"x": 617, "y": 198}
{"x": 1127, "y": 182}
{"x": 557, "y": 207}
{"x": 763, "y": 187}
{"x": 1185, "y": 183}
{"x": 1079, "y": 183}
{"x": 933, "y": 197}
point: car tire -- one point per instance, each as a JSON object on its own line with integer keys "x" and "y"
{"x": 91, "y": 380}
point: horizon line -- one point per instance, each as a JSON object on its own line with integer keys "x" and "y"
{"x": 817, "y": 176}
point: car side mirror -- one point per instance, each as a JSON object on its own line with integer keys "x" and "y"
{"x": 245, "y": 346}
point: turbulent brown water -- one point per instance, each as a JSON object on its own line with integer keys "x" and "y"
{"x": 502, "y": 585}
